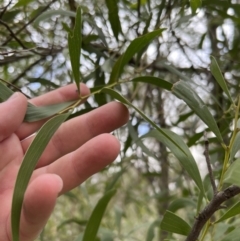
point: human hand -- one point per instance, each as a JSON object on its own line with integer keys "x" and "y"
{"x": 78, "y": 149}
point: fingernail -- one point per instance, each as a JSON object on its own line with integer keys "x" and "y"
{"x": 60, "y": 183}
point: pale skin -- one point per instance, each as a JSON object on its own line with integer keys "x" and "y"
{"x": 80, "y": 148}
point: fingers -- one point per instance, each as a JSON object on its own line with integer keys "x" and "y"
{"x": 77, "y": 131}
{"x": 39, "y": 202}
{"x": 12, "y": 113}
{"x": 63, "y": 94}
{"x": 79, "y": 165}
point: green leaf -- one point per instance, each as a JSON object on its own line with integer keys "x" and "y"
{"x": 150, "y": 232}
{"x": 232, "y": 236}
{"x": 181, "y": 203}
{"x": 183, "y": 91}
{"x": 44, "y": 82}
{"x": 10, "y": 15}
{"x": 235, "y": 148}
{"x": 216, "y": 72}
{"x": 36, "y": 113}
{"x": 113, "y": 17}
{"x": 154, "y": 81}
{"x": 233, "y": 211}
{"x": 183, "y": 117}
{"x": 135, "y": 46}
{"x": 138, "y": 141}
{"x": 77, "y": 221}
{"x": 120, "y": 98}
{"x": 5, "y": 92}
{"x": 110, "y": 185}
{"x": 185, "y": 157}
{"x": 96, "y": 216}
{"x": 232, "y": 174}
{"x": 50, "y": 13}
{"x": 174, "y": 224}
{"x": 119, "y": 213}
{"x": 22, "y": 3}
{"x": 195, "y": 4}
{"x": 193, "y": 139}
{"x": 175, "y": 71}
{"x": 74, "y": 45}
{"x": 29, "y": 162}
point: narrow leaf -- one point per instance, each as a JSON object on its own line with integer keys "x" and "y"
{"x": 120, "y": 98}
{"x": 36, "y": 113}
{"x": 43, "y": 82}
{"x": 74, "y": 45}
{"x": 181, "y": 203}
{"x": 174, "y": 224}
{"x": 154, "y": 81}
{"x": 232, "y": 174}
{"x": 233, "y": 211}
{"x": 50, "y": 13}
{"x": 113, "y": 17}
{"x": 150, "y": 232}
{"x": 216, "y": 72}
{"x": 110, "y": 185}
{"x": 96, "y": 216}
{"x": 195, "y": 4}
{"x": 77, "y": 221}
{"x": 135, "y": 46}
{"x": 232, "y": 236}
{"x": 183, "y": 91}
{"x": 236, "y": 147}
{"x": 22, "y": 3}
{"x": 185, "y": 158}
{"x": 29, "y": 162}
{"x": 138, "y": 141}
{"x": 5, "y": 92}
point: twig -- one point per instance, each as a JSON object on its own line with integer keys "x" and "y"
{"x": 206, "y": 154}
{"x": 210, "y": 209}
{"x": 14, "y": 81}
{"x": 29, "y": 22}
{"x": 12, "y": 59}
{"x": 12, "y": 34}
{"x": 5, "y": 9}
{"x": 15, "y": 87}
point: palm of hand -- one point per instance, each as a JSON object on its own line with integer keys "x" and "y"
{"x": 77, "y": 150}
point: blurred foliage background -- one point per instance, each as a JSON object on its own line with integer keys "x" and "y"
{"x": 34, "y": 57}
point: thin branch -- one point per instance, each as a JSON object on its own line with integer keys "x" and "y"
{"x": 12, "y": 59}
{"x": 12, "y": 34}
{"x": 14, "y": 81}
{"x": 17, "y": 39}
{"x": 5, "y": 9}
{"x": 29, "y": 22}
{"x": 210, "y": 209}
{"x": 206, "y": 154}
{"x": 14, "y": 87}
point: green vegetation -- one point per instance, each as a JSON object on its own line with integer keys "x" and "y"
{"x": 175, "y": 65}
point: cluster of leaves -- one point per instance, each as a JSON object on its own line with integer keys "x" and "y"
{"x": 110, "y": 81}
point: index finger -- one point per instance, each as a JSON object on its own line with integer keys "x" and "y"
{"x": 62, "y": 94}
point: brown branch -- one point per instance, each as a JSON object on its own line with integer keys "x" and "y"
{"x": 12, "y": 59}
{"x": 206, "y": 154}
{"x": 5, "y": 9}
{"x": 29, "y": 22}
{"x": 14, "y": 81}
{"x": 12, "y": 34}
{"x": 210, "y": 209}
